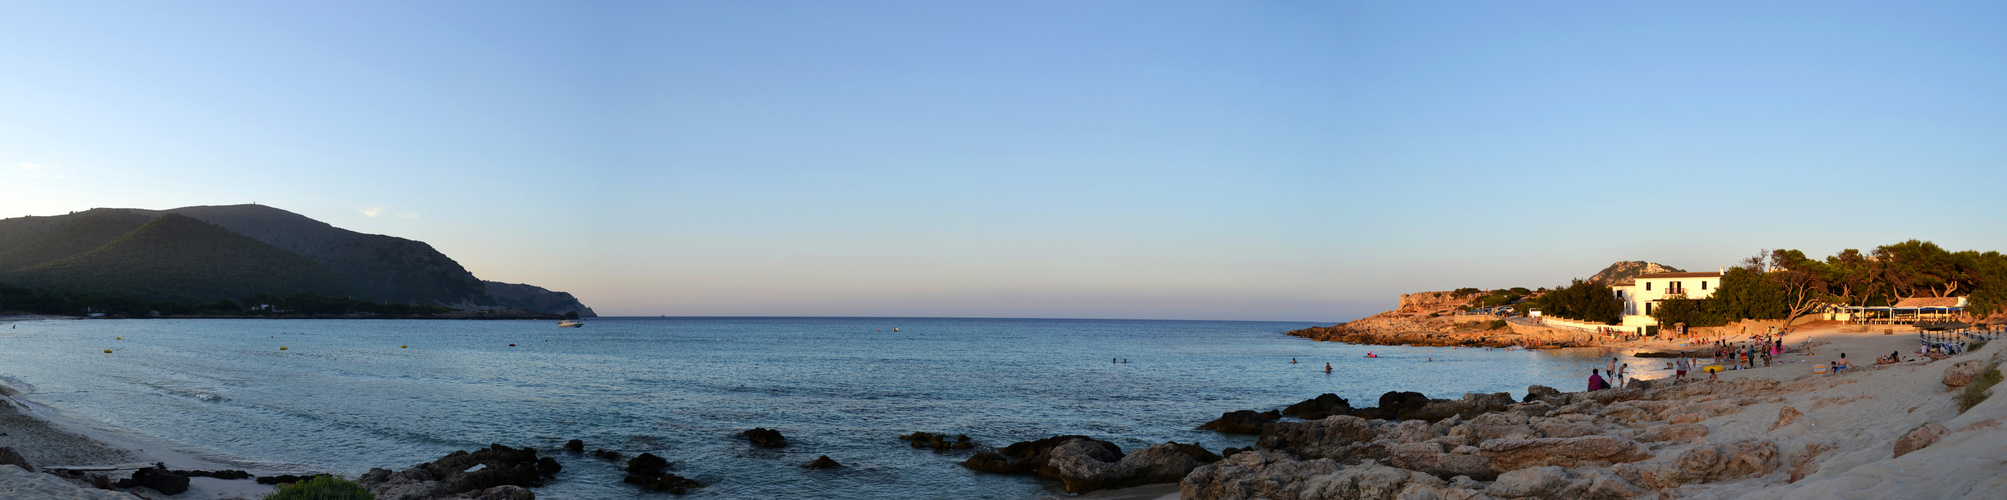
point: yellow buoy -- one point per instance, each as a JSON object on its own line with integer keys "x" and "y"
{"x": 107, "y": 351}
{"x": 282, "y": 348}
{"x": 404, "y": 347}
{"x": 118, "y": 338}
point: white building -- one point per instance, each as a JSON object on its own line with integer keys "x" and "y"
{"x": 1641, "y": 295}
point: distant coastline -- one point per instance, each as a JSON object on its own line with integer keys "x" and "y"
{"x": 456, "y": 315}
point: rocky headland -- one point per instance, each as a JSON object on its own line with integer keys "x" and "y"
{"x": 1434, "y": 319}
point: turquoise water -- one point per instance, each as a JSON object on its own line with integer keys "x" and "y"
{"x": 344, "y": 397}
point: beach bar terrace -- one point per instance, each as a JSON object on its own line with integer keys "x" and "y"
{"x": 1904, "y": 312}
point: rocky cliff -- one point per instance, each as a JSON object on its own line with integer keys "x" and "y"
{"x": 536, "y": 298}
{"x": 1428, "y": 302}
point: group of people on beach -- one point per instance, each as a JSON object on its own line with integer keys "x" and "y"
{"x": 1617, "y": 373}
{"x": 1745, "y": 356}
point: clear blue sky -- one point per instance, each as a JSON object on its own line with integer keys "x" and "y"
{"x": 1228, "y": 160}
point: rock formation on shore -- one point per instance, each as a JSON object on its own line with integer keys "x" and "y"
{"x": 1662, "y": 440}
{"x": 1086, "y": 464}
{"x": 497, "y": 472}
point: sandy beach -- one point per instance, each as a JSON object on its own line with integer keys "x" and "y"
{"x": 1781, "y": 431}
{"x": 50, "y": 441}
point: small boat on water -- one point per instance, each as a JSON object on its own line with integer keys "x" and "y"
{"x": 570, "y": 324}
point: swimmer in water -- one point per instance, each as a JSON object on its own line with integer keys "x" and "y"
{"x": 1327, "y": 367}
{"x": 1292, "y": 361}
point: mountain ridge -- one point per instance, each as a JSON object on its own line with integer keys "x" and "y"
{"x": 179, "y": 258}
{"x": 374, "y": 267}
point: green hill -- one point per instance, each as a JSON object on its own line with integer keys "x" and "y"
{"x": 174, "y": 257}
{"x": 384, "y": 268}
{"x": 370, "y": 266}
{"x": 93, "y": 229}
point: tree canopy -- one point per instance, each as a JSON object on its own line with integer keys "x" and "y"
{"x": 1582, "y": 300}
{"x": 1786, "y": 284}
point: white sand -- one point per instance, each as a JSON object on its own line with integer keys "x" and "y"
{"x": 1860, "y": 414}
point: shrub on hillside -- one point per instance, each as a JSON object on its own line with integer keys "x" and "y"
{"x": 1496, "y": 324}
{"x": 1981, "y": 387}
{"x": 321, "y": 488}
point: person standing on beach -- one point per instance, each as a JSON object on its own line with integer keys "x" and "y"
{"x": 1679, "y": 368}
{"x": 1621, "y": 373}
{"x": 1612, "y": 370}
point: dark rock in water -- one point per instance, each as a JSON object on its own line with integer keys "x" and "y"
{"x": 1242, "y": 421}
{"x": 1085, "y": 464}
{"x": 1319, "y": 407}
{"x": 279, "y": 479}
{"x": 992, "y": 462}
{"x": 608, "y": 455}
{"x": 651, "y": 472}
{"x": 158, "y": 478}
{"x": 939, "y": 442}
{"x": 823, "y": 462}
{"x": 1395, "y": 405}
{"x": 1403, "y": 401}
{"x": 218, "y": 474}
{"x": 766, "y": 438}
{"x": 574, "y": 446}
{"x": 1539, "y": 392}
{"x": 648, "y": 464}
{"x": 1472, "y": 405}
{"x": 1025, "y": 457}
{"x": 8, "y": 456}
{"x": 498, "y": 472}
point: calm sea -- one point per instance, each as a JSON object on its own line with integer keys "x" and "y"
{"x": 346, "y": 396}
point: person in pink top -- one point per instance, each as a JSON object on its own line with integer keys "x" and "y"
{"x": 1596, "y": 381}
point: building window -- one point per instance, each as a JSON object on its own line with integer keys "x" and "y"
{"x": 1648, "y": 308}
{"x": 1703, "y": 284}
{"x": 1648, "y": 285}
